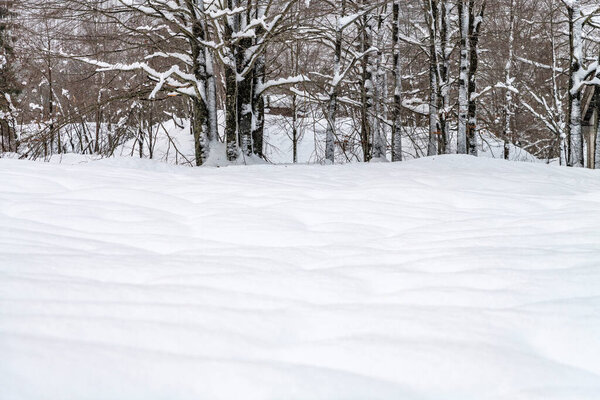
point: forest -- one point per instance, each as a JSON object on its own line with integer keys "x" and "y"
{"x": 363, "y": 79}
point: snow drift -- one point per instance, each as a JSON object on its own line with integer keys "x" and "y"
{"x": 443, "y": 278}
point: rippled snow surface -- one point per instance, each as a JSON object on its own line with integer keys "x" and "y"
{"x": 451, "y": 278}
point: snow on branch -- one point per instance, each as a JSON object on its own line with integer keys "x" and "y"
{"x": 282, "y": 82}
{"x": 541, "y": 65}
{"x": 173, "y": 77}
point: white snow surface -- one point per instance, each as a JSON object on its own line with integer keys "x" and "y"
{"x": 446, "y": 278}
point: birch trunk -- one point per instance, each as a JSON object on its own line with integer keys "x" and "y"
{"x": 231, "y": 107}
{"x": 463, "y": 100}
{"x": 366, "y": 89}
{"x": 474, "y": 34}
{"x": 576, "y": 51}
{"x": 397, "y": 74}
{"x": 431, "y": 19}
{"x": 444, "y": 78}
{"x": 333, "y": 91}
{"x": 377, "y": 82}
{"x": 508, "y": 105}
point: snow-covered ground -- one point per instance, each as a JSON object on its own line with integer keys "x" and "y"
{"x": 172, "y": 143}
{"x": 448, "y": 278}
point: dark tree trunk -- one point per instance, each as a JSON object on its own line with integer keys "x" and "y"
{"x": 366, "y": 91}
{"x": 474, "y": 34}
{"x": 443, "y": 80}
{"x": 397, "y": 75}
{"x": 244, "y": 99}
{"x": 200, "y": 113}
{"x": 258, "y": 108}
{"x": 258, "y": 101}
{"x": 231, "y": 86}
{"x": 51, "y": 113}
{"x": 198, "y": 126}
{"x": 431, "y": 13}
{"x": 231, "y": 113}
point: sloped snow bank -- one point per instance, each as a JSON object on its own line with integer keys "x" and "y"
{"x": 447, "y": 278}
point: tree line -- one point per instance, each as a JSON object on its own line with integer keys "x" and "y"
{"x": 85, "y": 76}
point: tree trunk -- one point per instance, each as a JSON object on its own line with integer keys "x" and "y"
{"x": 198, "y": 125}
{"x": 463, "y": 93}
{"x": 258, "y": 109}
{"x": 596, "y": 122}
{"x": 333, "y": 91}
{"x": 294, "y": 130}
{"x": 378, "y": 79}
{"x": 231, "y": 113}
{"x": 508, "y": 105}
{"x": 397, "y": 75}
{"x": 51, "y": 113}
{"x": 366, "y": 87}
{"x": 474, "y": 34}
{"x": 231, "y": 97}
{"x": 576, "y": 52}
{"x": 7, "y": 137}
{"x": 244, "y": 113}
{"x": 258, "y": 101}
{"x": 596, "y": 132}
{"x": 98, "y": 124}
{"x": 444, "y": 79}
{"x": 431, "y": 8}
{"x": 244, "y": 88}
{"x": 204, "y": 119}
{"x": 210, "y": 83}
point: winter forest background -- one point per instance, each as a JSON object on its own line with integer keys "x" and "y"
{"x": 223, "y": 81}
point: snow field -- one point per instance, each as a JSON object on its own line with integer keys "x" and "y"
{"x": 447, "y": 278}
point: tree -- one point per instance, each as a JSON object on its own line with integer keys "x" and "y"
{"x": 476, "y": 21}
{"x": 8, "y": 83}
{"x": 397, "y": 74}
{"x": 508, "y": 82}
{"x": 334, "y": 84}
{"x": 575, "y": 81}
{"x": 464, "y": 18}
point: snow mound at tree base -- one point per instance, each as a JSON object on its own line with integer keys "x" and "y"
{"x": 444, "y": 278}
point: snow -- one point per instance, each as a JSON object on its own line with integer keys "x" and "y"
{"x": 172, "y": 142}
{"x": 442, "y": 278}
{"x": 311, "y": 145}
